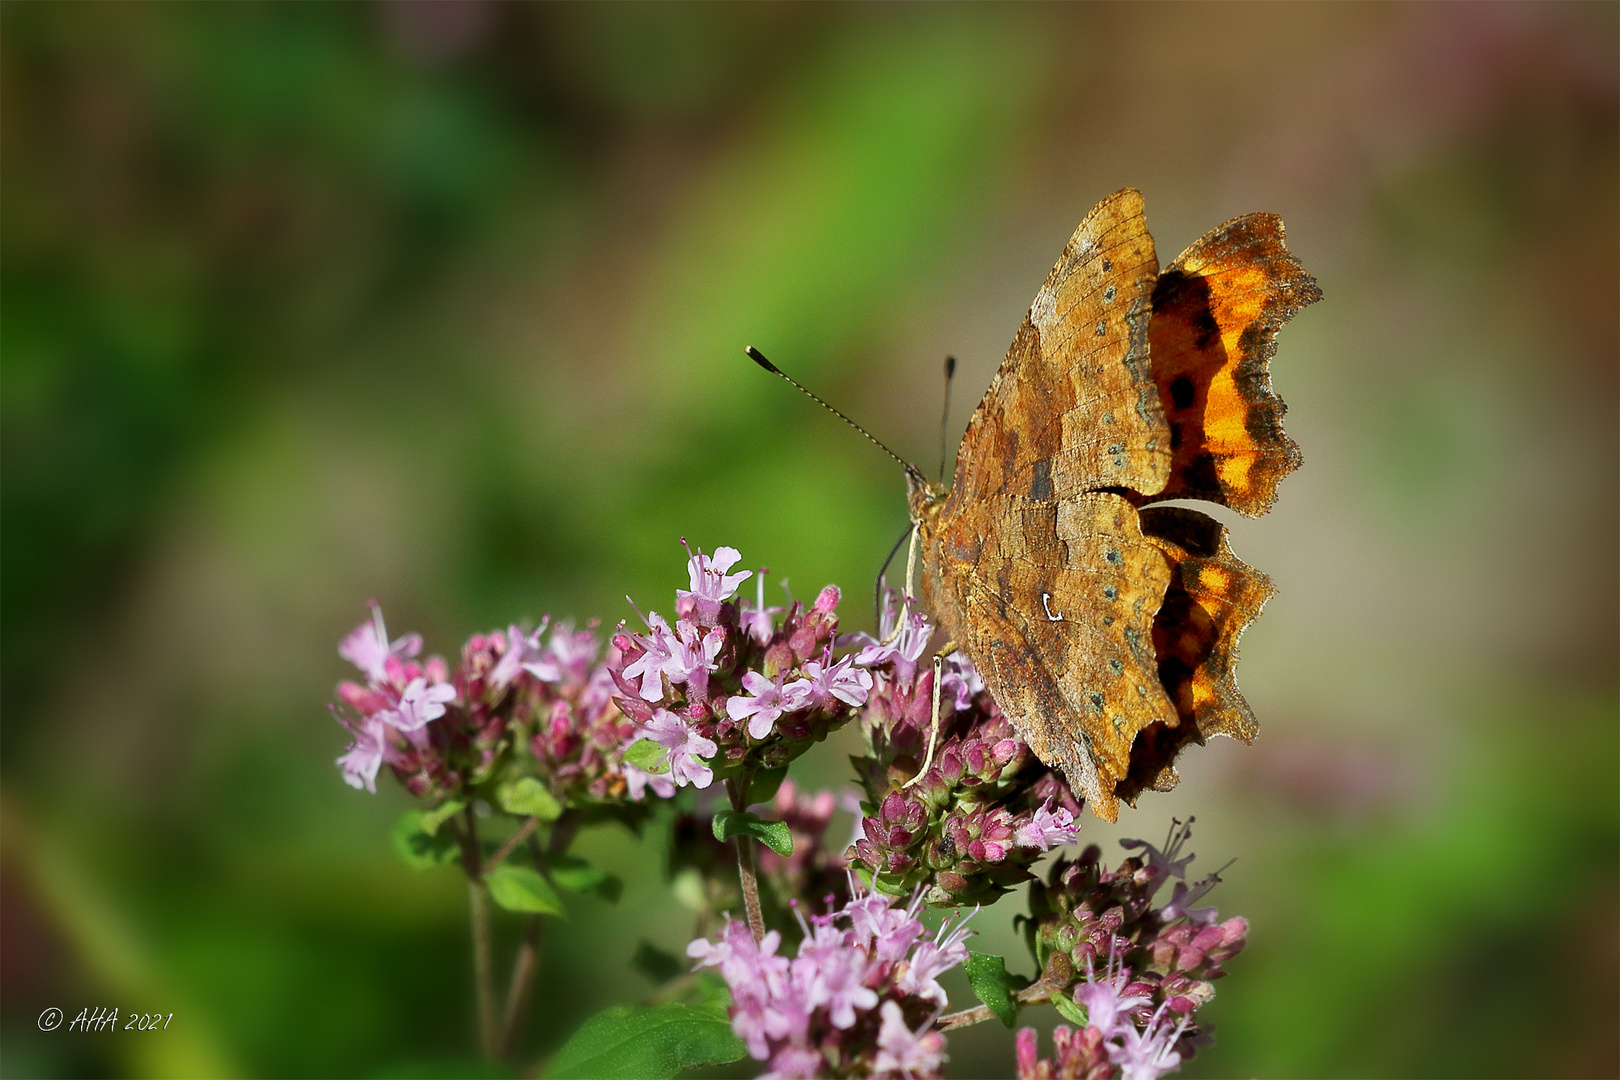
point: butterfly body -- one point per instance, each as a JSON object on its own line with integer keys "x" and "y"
{"x": 1106, "y": 629}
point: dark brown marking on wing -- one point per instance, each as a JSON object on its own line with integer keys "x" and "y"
{"x": 1213, "y": 595}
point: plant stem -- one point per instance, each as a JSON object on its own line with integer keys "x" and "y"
{"x": 511, "y": 844}
{"x": 746, "y": 875}
{"x": 1030, "y": 995}
{"x": 523, "y": 971}
{"x": 527, "y": 962}
{"x": 483, "y": 962}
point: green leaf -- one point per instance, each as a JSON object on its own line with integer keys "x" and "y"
{"x": 519, "y": 888}
{"x": 636, "y": 1043}
{"x": 434, "y": 1068}
{"x": 432, "y": 819}
{"x": 419, "y": 849}
{"x": 1071, "y": 1012}
{"x": 655, "y": 963}
{"x": 577, "y": 875}
{"x": 762, "y": 788}
{"x": 890, "y": 886}
{"x": 530, "y": 798}
{"x": 988, "y": 976}
{"x": 648, "y": 756}
{"x": 773, "y": 834}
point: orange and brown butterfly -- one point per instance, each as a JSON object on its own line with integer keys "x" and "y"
{"x": 1104, "y": 627}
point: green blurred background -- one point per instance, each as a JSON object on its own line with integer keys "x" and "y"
{"x": 445, "y": 304}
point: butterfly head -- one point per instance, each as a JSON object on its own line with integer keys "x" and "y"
{"x": 923, "y": 496}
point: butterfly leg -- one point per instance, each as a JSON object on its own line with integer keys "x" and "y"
{"x": 933, "y": 727}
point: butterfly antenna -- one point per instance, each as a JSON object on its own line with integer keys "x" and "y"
{"x": 945, "y": 414}
{"x": 877, "y": 589}
{"x": 759, "y": 358}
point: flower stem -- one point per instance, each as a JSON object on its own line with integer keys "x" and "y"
{"x": 527, "y": 962}
{"x": 1030, "y": 995}
{"x": 523, "y": 971}
{"x": 511, "y": 844}
{"x": 746, "y": 875}
{"x": 483, "y": 961}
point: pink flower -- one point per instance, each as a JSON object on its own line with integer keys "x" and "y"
{"x": 754, "y": 972}
{"x": 737, "y": 955}
{"x": 885, "y": 929}
{"x": 693, "y": 657}
{"x": 365, "y": 755}
{"x": 711, "y": 585}
{"x": 770, "y": 700}
{"x": 837, "y": 975}
{"x": 931, "y": 959}
{"x": 639, "y": 780}
{"x": 902, "y": 649}
{"x": 521, "y": 651}
{"x": 658, "y": 651}
{"x": 685, "y": 746}
{"x": 1150, "y": 1053}
{"x": 1026, "y": 1051}
{"x": 1076, "y": 1053}
{"x": 1169, "y": 862}
{"x": 570, "y": 653}
{"x": 961, "y": 681}
{"x": 1183, "y": 895}
{"x": 1108, "y": 1001}
{"x": 850, "y": 962}
{"x": 419, "y": 704}
{"x": 367, "y": 646}
{"x": 901, "y": 1050}
{"x": 1047, "y": 830}
{"x": 843, "y": 681}
{"x": 759, "y": 621}
{"x": 795, "y": 1063}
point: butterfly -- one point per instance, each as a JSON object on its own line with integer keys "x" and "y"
{"x": 1106, "y": 627}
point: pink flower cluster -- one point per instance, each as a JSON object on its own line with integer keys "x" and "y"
{"x": 728, "y": 688}
{"x": 522, "y": 701}
{"x": 987, "y": 808}
{"x": 859, "y": 999}
{"x": 388, "y": 714}
{"x": 1110, "y": 1046}
{"x": 1138, "y": 970}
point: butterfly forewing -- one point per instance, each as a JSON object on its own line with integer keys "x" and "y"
{"x": 1027, "y": 558}
{"x": 1074, "y": 406}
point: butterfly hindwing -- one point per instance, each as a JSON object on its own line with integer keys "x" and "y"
{"x": 1060, "y": 603}
{"x": 1212, "y": 597}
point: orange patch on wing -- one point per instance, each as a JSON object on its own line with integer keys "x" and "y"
{"x": 1216, "y": 313}
{"x": 1213, "y": 596}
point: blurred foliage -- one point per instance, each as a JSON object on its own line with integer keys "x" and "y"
{"x": 445, "y": 304}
